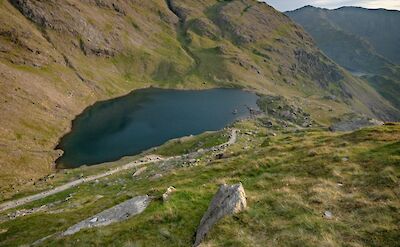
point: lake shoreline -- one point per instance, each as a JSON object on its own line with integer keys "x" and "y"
{"x": 58, "y": 146}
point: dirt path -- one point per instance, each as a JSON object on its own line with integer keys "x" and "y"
{"x": 146, "y": 160}
{"x": 24, "y": 200}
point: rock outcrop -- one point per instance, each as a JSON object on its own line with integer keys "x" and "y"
{"x": 280, "y": 108}
{"x": 117, "y": 213}
{"x": 229, "y": 199}
{"x": 350, "y": 123}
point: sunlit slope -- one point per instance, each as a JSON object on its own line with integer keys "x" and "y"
{"x": 58, "y": 58}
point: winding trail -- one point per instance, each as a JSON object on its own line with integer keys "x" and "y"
{"x": 24, "y": 200}
{"x": 145, "y": 160}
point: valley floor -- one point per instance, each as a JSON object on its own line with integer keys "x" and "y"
{"x": 305, "y": 187}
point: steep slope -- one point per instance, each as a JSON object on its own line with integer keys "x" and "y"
{"x": 57, "y": 57}
{"x": 364, "y": 41}
{"x": 378, "y": 28}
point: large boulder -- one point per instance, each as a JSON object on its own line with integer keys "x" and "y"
{"x": 229, "y": 199}
{"x": 117, "y": 213}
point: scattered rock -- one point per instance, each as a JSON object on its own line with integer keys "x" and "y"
{"x": 219, "y": 156}
{"x": 3, "y": 231}
{"x": 353, "y": 122}
{"x": 312, "y": 153}
{"x": 25, "y": 212}
{"x": 139, "y": 171}
{"x": 229, "y": 199}
{"x": 268, "y": 124}
{"x": 95, "y": 219}
{"x": 250, "y": 133}
{"x": 345, "y": 159}
{"x": 97, "y": 197}
{"x": 165, "y": 233}
{"x": 328, "y": 215}
{"x": 167, "y": 193}
{"x": 156, "y": 177}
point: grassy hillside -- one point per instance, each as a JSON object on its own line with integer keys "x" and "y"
{"x": 361, "y": 40}
{"x": 291, "y": 178}
{"x": 389, "y": 87}
{"x": 58, "y": 58}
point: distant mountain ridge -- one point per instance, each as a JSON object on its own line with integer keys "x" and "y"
{"x": 365, "y": 41}
{"x": 376, "y": 30}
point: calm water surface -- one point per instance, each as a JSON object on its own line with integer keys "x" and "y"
{"x": 147, "y": 118}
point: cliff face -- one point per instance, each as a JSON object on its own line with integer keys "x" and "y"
{"x": 57, "y": 57}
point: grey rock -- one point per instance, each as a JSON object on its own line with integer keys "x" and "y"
{"x": 350, "y": 123}
{"x": 229, "y": 199}
{"x": 328, "y": 215}
{"x": 117, "y": 213}
{"x": 95, "y": 219}
{"x": 139, "y": 171}
{"x": 156, "y": 177}
{"x": 165, "y": 233}
{"x": 167, "y": 193}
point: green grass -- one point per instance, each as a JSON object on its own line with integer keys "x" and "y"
{"x": 387, "y": 87}
{"x": 192, "y": 144}
{"x": 290, "y": 180}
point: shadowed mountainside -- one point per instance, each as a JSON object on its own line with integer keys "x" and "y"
{"x": 364, "y": 41}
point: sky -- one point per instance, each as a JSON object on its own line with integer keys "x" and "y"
{"x": 284, "y": 5}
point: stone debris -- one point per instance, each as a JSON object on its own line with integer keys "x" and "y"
{"x": 26, "y": 212}
{"x": 167, "y": 193}
{"x": 328, "y": 215}
{"x": 229, "y": 199}
{"x": 354, "y": 122}
{"x": 117, "y": 213}
{"x": 93, "y": 220}
{"x": 156, "y": 177}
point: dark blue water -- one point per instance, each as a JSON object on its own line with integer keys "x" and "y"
{"x": 147, "y": 118}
